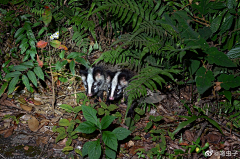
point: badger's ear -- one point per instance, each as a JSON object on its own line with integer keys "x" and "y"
{"x": 108, "y": 79}
{"x": 123, "y": 82}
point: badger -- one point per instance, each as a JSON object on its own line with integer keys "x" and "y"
{"x": 94, "y": 81}
{"x": 116, "y": 83}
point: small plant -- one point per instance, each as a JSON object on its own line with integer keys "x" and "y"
{"x": 106, "y": 109}
{"x": 110, "y": 139}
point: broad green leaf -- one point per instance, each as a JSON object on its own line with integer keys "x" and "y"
{"x": 26, "y": 82}
{"x": 216, "y": 23}
{"x": 29, "y": 64}
{"x": 60, "y": 136}
{"x": 89, "y": 114}
{"x": 12, "y": 84}
{"x": 234, "y": 53}
{"x": 38, "y": 71}
{"x": 94, "y": 150}
{"x": 72, "y": 67}
{"x": 100, "y": 111}
{"x": 24, "y": 48}
{"x": 47, "y": 16}
{"x": 226, "y": 24}
{"x": 149, "y": 125}
{"x": 204, "y": 80}
{"x": 19, "y": 32}
{"x": 71, "y": 127}
{"x": 229, "y": 81}
{"x": 20, "y": 38}
{"x": 110, "y": 153}
{"x": 85, "y": 148}
{"x": 194, "y": 66}
{"x": 121, "y": 133}
{"x": 63, "y": 122}
{"x": 32, "y": 77}
{"x": 19, "y": 68}
{"x": 13, "y": 74}
{"x": 55, "y": 43}
{"x": 139, "y": 111}
{"x": 66, "y": 107}
{"x": 77, "y": 109}
{"x": 3, "y": 88}
{"x": 106, "y": 121}
{"x": 185, "y": 123}
{"x": 86, "y": 127}
{"x": 42, "y": 30}
{"x": 110, "y": 139}
{"x": 112, "y": 107}
{"x": 27, "y": 26}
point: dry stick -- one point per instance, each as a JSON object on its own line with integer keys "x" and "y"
{"x": 53, "y": 99}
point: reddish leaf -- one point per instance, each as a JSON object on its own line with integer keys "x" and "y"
{"x": 40, "y": 63}
{"x": 41, "y": 44}
{"x": 63, "y": 47}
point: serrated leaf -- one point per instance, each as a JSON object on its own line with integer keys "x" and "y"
{"x": 77, "y": 109}
{"x": 100, "y": 111}
{"x": 94, "y": 150}
{"x": 219, "y": 58}
{"x": 90, "y": 114}
{"x": 106, "y": 121}
{"x": 32, "y": 77}
{"x": 110, "y": 139}
{"x": 86, "y": 127}
{"x": 204, "y": 80}
{"x": 121, "y": 133}
{"x": 110, "y": 153}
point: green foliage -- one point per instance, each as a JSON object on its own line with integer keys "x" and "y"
{"x": 106, "y": 109}
{"x": 110, "y": 139}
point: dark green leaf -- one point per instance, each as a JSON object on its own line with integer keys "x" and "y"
{"x": 185, "y": 123}
{"x": 121, "y": 133}
{"x": 94, "y": 150}
{"x": 204, "y": 80}
{"x": 12, "y": 84}
{"x": 32, "y": 77}
{"x": 110, "y": 153}
{"x": 26, "y": 82}
{"x": 89, "y": 114}
{"x": 110, "y": 139}
{"x": 12, "y": 74}
{"x": 106, "y": 121}
{"x": 86, "y": 127}
{"x": 38, "y": 71}
{"x": 19, "y": 32}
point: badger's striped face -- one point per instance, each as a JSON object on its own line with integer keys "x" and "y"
{"x": 116, "y": 84}
{"x": 93, "y": 80}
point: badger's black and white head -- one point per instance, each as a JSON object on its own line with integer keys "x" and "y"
{"x": 93, "y": 80}
{"x": 116, "y": 83}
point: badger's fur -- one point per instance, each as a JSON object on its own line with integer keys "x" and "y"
{"x": 116, "y": 83}
{"x": 94, "y": 81}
